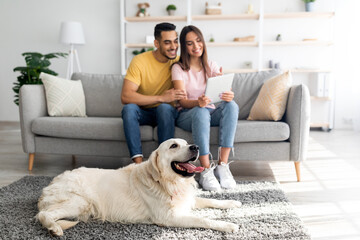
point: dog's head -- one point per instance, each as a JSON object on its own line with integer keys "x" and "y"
{"x": 173, "y": 159}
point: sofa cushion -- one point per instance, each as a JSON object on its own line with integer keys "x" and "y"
{"x": 64, "y": 97}
{"x": 271, "y": 102}
{"x": 96, "y": 128}
{"x": 246, "y": 131}
{"x": 246, "y": 87}
{"x": 259, "y": 131}
{"x": 102, "y": 94}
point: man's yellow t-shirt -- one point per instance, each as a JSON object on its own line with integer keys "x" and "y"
{"x": 152, "y": 76}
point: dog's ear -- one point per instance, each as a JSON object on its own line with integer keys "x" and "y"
{"x": 154, "y": 160}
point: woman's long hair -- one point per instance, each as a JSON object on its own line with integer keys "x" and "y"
{"x": 184, "y": 60}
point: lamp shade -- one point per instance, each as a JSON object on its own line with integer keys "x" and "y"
{"x": 72, "y": 33}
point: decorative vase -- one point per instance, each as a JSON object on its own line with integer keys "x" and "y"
{"x": 271, "y": 64}
{"x": 171, "y": 12}
{"x": 309, "y": 6}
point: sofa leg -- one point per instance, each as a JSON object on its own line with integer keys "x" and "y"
{"x": 31, "y": 160}
{"x": 297, "y": 168}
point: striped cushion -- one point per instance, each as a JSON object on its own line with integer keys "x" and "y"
{"x": 271, "y": 101}
{"x": 65, "y": 98}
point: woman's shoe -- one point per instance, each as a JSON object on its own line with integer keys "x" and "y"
{"x": 208, "y": 180}
{"x": 222, "y": 172}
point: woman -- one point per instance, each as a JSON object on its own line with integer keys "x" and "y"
{"x": 197, "y": 115}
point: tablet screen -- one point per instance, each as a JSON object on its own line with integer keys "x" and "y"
{"x": 215, "y": 86}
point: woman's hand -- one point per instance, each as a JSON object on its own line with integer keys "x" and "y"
{"x": 220, "y": 73}
{"x": 203, "y": 101}
{"x": 173, "y": 95}
{"x": 227, "y": 96}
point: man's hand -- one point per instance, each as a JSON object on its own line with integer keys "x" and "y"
{"x": 227, "y": 96}
{"x": 203, "y": 101}
{"x": 172, "y": 95}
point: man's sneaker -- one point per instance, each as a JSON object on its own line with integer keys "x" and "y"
{"x": 222, "y": 172}
{"x": 208, "y": 181}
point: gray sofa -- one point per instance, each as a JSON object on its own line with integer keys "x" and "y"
{"x": 101, "y": 132}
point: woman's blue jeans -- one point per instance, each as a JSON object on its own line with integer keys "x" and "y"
{"x": 133, "y": 116}
{"x": 199, "y": 120}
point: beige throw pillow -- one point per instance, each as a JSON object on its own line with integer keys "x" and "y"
{"x": 64, "y": 97}
{"x": 271, "y": 101}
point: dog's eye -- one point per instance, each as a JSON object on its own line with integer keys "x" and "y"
{"x": 174, "y": 145}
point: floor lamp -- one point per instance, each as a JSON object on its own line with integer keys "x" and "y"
{"x": 72, "y": 33}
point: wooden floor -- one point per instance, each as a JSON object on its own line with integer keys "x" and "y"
{"x": 327, "y": 199}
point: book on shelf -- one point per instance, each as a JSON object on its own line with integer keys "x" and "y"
{"x": 320, "y": 85}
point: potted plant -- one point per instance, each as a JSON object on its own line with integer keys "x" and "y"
{"x": 171, "y": 9}
{"x": 309, "y": 5}
{"x": 136, "y": 52}
{"x": 35, "y": 64}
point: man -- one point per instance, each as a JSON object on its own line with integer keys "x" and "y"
{"x": 147, "y": 91}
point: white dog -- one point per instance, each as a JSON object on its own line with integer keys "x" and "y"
{"x": 159, "y": 191}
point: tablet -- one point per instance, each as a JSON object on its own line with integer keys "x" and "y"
{"x": 217, "y": 85}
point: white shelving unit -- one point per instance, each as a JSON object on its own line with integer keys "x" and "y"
{"x": 261, "y": 17}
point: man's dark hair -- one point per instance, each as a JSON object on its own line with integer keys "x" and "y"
{"x": 163, "y": 27}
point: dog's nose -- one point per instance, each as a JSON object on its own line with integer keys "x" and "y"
{"x": 194, "y": 148}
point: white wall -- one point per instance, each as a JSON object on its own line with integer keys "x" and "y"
{"x": 346, "y": 70}
{"x": 33, "y": 25}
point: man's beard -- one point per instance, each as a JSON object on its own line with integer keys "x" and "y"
{"x": 165, "y": 55}
{"x": 171, "y": 58}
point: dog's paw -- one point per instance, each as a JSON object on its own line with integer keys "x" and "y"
{"x": 236, "y": 204}
{"x": 233, "y": 204}
{"x": 231, "y": 227}
{"x": 225, "y": 226}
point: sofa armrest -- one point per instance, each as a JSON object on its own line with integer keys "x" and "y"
{"x": 297, "y": 115}
{"x": 32, "y": 104}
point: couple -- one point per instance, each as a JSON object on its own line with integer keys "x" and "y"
{"x": 156, "y": 79}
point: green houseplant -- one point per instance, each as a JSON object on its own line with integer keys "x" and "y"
{"x": 35, "y": 64}
{"x": 171, "y": 9}
{"x": 136, "y": 52}
{"x": 309, "y": 5}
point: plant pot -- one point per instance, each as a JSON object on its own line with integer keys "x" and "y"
{"x": 171, "y": 12}
{"x": 309, "y": 6}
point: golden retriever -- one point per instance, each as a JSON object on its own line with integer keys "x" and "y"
{"x": 159, "y": 191}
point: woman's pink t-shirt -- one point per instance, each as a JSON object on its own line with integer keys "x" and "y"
{"x": 195, "y": 82}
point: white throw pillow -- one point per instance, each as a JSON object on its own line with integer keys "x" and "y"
{"x": 64, "y": 97}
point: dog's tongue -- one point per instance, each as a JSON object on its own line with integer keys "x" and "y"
{"x": 191, "y": 168}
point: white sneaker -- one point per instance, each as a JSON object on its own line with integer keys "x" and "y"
{"x": 208, "y": 180}
{"x": 222, "y": 172}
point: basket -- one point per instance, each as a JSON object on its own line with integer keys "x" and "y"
{"x": 213, "y": 11}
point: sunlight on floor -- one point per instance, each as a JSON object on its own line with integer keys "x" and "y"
{"x": 328, "y": 197}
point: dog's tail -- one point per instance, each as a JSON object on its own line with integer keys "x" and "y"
{"x": 66, "y": 224}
